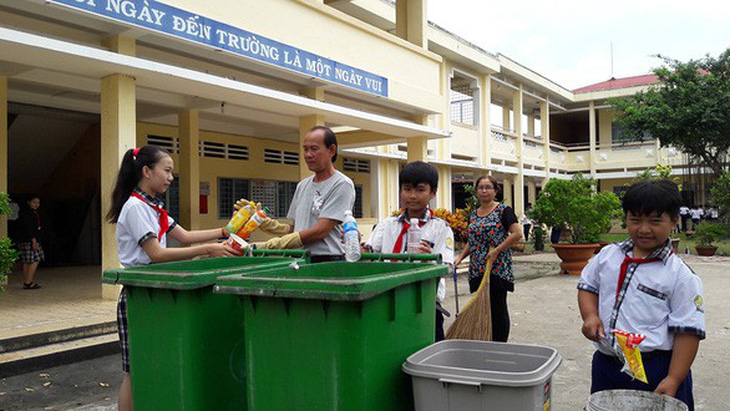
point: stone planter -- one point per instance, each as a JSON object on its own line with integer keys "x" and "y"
{"x": 706, "y": 251}
{"x": 574, "y": 256}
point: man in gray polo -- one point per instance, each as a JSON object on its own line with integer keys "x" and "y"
{"x": 319, "y": 203}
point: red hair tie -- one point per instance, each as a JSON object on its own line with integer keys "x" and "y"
{"x": 135, "y": 152}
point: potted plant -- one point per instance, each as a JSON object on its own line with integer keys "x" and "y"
{"x": 8, "y": 253}
{"x": 707, "y": 233}
{"x": 574, "y": 205}
{"x": 538, "y": 233}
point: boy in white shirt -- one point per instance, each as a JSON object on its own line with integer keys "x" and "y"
{"x": 418, "y": 185}
{"x": 641, "y": 286}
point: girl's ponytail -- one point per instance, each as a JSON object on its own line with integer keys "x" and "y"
{"x": 130, "y": 173}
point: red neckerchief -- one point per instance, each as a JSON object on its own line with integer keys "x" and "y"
{"x": 625, "y": 267}
{"x": 164, "y": 222}
{"x": 398, "y": 247}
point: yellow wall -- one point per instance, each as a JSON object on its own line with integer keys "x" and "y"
{"x": 605, "y": 120}
{"x": 412, "y": 72}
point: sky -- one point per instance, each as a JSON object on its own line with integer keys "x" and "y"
{"x": 569, "y": 41}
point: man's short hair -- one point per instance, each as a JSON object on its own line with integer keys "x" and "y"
{"x": 419, "y": 172}
{"x": 329, "y": 139}
{"x": 653, "y": 197}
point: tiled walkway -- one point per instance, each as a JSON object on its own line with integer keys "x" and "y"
{"x": 70, "y": 297}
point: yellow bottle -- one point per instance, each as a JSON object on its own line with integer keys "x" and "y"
{"x": 240, "y": 218}
{"x": 253, "y": 223}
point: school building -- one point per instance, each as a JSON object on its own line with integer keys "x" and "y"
{"x": 230, "y": 88}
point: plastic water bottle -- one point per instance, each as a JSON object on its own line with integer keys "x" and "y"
{"x": 352, "y": 238}
{"x": 414, "y": 237}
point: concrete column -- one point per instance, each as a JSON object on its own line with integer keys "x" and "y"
{"x": 3, "y": 148}
{"x": 417, "y": 149}
{"x": 506, "y": 123}
{"x": 189, "y": 136}
{"x": 388, "y": 187}
{"x": 444, "y": 190}
{"x": 517, "y": 101}
{"x": 507, "y": 189}
{"x": 121, "y": 44}
{"x": 411, "y": 21}
{"x": 531, "y": 191}
{"x": 118, "y": 134}
{"x": 592, "y": 136}
{"x": 306, "y": 123}
{"x": 485, "y": 125}
{"x": 545, "y": 132}
{"x": 531, "y": 125}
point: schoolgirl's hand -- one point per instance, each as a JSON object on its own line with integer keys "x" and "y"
{"x": 222, "y": 250}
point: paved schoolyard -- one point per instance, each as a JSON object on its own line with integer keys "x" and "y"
{"x": 544, "y": 311}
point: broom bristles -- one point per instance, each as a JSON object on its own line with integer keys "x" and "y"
{"x": 475, "y": 321}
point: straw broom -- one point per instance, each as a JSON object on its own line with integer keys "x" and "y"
{"x": 475, "y": 321}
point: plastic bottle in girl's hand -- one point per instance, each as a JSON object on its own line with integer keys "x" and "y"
{"x": 352, "y": 238}
{"x": 240, "y": 218}
{"x": 414, "y": 237}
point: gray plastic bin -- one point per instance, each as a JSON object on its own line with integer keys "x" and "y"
{"x": 463, "y": 375}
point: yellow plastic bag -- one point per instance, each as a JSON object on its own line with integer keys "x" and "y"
{"x": 629, "y": 343}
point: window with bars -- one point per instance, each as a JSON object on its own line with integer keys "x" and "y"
{"x": 357, "y": 208}
{"x": 172, "y": 199}
{"x": 462, "y": 101}
{"x": 281, "y": 157}
{"x": 620, "y": 136}
{"x": 230, "y": 190}
{"x": 169, "y": 144}
{"x": 222, "y": 150}
{"x": 356, "y": 165}
{"x": 286, "y": 195}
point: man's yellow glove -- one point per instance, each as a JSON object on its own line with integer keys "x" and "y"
{"x": 293, "y": 240}
{"x": 272, "y": 226}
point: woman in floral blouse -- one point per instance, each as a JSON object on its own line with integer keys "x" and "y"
{"x": 492, "y": 225}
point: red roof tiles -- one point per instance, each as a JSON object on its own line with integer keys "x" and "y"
{"x": 616, "y": 83}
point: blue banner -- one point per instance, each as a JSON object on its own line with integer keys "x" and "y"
{"x": 166, "y": 19}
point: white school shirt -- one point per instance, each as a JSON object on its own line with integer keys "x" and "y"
{"x": 683, "y": 210}
{"x": 137, "y": 223}
{"x": 436, "y": 230}
{"x": 696, "y": 213}
{"x": 658, "y": 299}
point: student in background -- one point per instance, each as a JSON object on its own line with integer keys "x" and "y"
{"x": 142, "y": 229}
{"x": 29, "y": 242}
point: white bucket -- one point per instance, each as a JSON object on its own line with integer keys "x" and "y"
{"x": 631, "y": 400}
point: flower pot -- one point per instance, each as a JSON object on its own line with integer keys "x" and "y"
{"x": 601, "y": 244}
{"x": 706, "y": 251}
{"x": 574, "y": 256}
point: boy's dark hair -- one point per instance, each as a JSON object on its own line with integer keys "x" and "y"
{"x": 648, "y": 197}
{"x": 329, "y": 139}
{"x": 130, "y": 173}
{"x": 419, "y": 172}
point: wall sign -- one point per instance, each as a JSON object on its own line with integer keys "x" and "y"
{"x": 179, "y": 23}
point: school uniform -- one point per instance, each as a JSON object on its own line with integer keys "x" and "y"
{"x": 684, "y": 216}
{"x": 658, "y": 296}
{"x": 696, "y": 214}
{"x": 390, "y": 236}
{"x": 142, "y": 217}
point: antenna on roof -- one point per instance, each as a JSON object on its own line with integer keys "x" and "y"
{"x": 612, "y": 77}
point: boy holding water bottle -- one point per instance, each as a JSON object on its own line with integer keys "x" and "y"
{"x": 418, "y": 186}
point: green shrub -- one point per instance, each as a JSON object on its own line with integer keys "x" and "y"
{"x": 576, "y": 206}
{"x": 538, "y": 233}
{"x": 8, "y": 253}
{"x": 707, "y": 233}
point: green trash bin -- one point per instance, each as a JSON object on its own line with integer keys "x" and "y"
{"x": 333, "y": 336}
{"x": 185, "y": 342}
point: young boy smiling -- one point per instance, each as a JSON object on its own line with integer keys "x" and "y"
{"x": 641, "y": 286}
{"x": 418, "y": 184}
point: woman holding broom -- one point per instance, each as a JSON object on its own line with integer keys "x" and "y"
{"x": 492, "y": 226}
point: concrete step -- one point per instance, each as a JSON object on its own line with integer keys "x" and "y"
{"x": 55, "y": 354}
{"x": 54, "y": 336}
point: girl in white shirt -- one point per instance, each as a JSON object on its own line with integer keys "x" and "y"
{"x": 142, "y": 229}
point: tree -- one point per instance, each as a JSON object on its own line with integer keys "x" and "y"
{"x": 721, "y": 196}
{"x": 688, "y": 109}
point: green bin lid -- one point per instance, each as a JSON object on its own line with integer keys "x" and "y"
{"x": 341, "y": 281}
{"x": 191, "y": 274}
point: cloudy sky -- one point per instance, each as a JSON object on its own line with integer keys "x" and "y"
{"x": 569, "y": 41}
